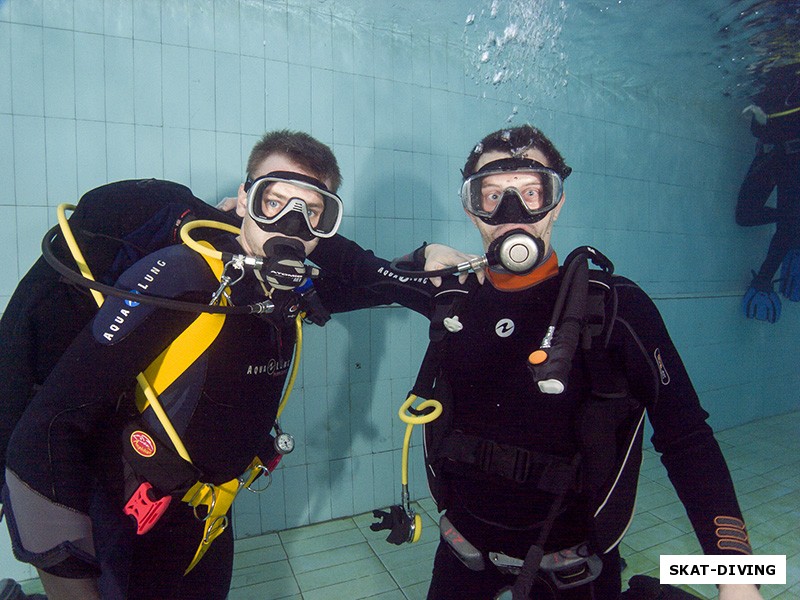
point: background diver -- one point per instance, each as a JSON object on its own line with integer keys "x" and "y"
{"x": 775, "y": 123}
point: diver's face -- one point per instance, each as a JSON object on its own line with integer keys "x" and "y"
{"x": 252, "y": 238}
{"x": 541, "y": 229}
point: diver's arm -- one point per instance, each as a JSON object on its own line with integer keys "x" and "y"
{"x": 363, "y": 279}
{"x": 439, "y": 256}
{"x": 689, "y": 451}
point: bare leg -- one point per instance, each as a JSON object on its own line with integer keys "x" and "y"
{"x": 61, "y": 588}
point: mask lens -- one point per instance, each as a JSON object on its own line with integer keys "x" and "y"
{"x": 271, "y": 199}
{"x": 537, "y": 190}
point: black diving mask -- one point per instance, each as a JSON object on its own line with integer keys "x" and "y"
{"x": 294, "y": 205}
{"x": 512, "y": 190}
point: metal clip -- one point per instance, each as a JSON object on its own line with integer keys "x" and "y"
{"x": 211, "y": 506}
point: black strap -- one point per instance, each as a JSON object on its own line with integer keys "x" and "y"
{"x": 552, "y": 474}
{"x": 533, "y": 559}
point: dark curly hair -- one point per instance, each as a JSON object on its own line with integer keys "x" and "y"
{"x": 301, "y": 148}
{"x": 516, "y": 141}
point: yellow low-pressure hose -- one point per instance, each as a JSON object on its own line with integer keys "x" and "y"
{"x": 784, "y": 113}
{"x": 199, "y": 248}
{"x": 216, "y": 254}
{"x": 149, "y": 393}
{"x": 298, "y": 350}
{"x": 410, "y": 420}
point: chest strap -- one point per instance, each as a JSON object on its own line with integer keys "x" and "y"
{"x": 551, "y": 474}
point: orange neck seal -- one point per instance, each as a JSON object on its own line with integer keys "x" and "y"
{"x": 509, "y": 282}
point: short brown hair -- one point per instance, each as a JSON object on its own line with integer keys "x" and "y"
{"x": 301, "y": 148}
{"x": 516, "y": 141}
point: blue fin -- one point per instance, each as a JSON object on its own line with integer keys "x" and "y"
{"x": 790, "y": 275}
{"x": 760, "y": 302}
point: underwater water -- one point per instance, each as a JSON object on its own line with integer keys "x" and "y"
{"x": 643, "y": 97}
{"x": 637, "y": 46}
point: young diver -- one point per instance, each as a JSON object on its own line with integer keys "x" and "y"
{"x": 504, "y": 463}
{"x": 775, "y": 165}
{"x": 81, "y": 439}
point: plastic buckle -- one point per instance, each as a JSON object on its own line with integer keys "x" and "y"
{"x": 572, "y": 567}
{"x": 147, "y": 512}
{"x": 792, "y": 146}
{"x": 508, "y": 565}
{"x": 484, "y": 455}
{"x": 522, "y": 462}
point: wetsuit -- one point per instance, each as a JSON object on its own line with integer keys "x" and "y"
{"x": 776, "y": 165}
{"x": 770, "y": 169}
{"x": 65, "y": 466}
{"x": 495, "y": 398}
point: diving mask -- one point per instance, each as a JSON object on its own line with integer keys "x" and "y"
{"x": 512, "y": 190}
{"x": 294, "y": 205}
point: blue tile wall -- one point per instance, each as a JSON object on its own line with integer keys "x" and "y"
{"x": 182, "y": 89}
{"x": 59, "y": 73}
{"x": 118, "y": 17}
{"x": 7, "y": 192}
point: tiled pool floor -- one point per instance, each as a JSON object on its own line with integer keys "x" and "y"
{"x": 344, "y": 559}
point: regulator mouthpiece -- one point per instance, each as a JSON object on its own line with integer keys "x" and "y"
{"x": 283, "y": 266}
{"x": 516, "y": 251}
{"x": 285, "y": 248}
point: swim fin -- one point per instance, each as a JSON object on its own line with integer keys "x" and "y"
{"x": 760, "y": 302}
{"x": 790, "y": 275}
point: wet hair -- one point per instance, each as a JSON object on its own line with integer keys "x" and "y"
{"x": 308, "y": 152}
{"x": 516, "y": 141}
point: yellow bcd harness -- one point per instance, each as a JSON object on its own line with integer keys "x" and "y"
{"x": 158, "y": 376}
{"x": 162, "y": 373}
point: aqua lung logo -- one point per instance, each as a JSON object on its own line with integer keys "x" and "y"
{"x": 662, "y": 370}
{"x": 400, "y": 278}
{"x": 504, "y": 328}
{"x": 123, "y": 313}
{"x": 273, "y": 367}
{"x": 133, "y": 303}
{"x": 151, "y": 275}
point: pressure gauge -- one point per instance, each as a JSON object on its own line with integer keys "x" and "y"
{"x": 284, "y": 443}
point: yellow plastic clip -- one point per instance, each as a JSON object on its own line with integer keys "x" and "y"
{"x": 218, "y": 500}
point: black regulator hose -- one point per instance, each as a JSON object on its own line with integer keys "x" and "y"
{"x": 168, "y": 303}
{"x": 515, "y": 251}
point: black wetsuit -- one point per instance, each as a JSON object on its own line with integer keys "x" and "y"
{"x": 66, "y": 448}
{"x": 494, "y": 397}
{"x": 776, "y": 165}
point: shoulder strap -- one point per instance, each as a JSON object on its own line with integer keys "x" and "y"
{"x": 447, "y": 305}
{"x": 185, "y": 349}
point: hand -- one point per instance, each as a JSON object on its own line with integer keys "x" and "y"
{"x": 758, "y": 113}
{"x": 439, "y": 256}
{"x": 227, "y": 204}
{"x": 729, "y": 591}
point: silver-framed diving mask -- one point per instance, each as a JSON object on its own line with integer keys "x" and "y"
{"x": 293, "y": 204}
{"x": 512, "y": 190}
